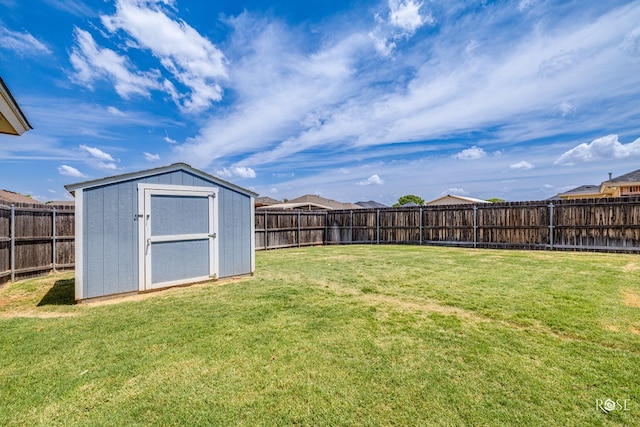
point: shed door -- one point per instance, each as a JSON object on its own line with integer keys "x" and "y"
{"x": 178, "y": 235}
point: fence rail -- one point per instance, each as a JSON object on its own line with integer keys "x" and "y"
{"x": 589, "y": 225}
{"x": 35, "y": 240}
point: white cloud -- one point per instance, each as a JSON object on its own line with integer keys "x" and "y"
{"x": 105, "y": 165}
{"x": 97, "y": 153}
{"x": 404, "y": 19}
{"x": 372, "y": 180}
{"x": 631, "y": 43}
{"x": 191, "y": 59}
{"x": 169, "y": 140}
{"x": 566, "y": 108}
{"x": 237, "y": 171}
{"x": 472, "y": 153}
{"x": 525, "y": 4}
{"x": 605, "y": 148}
{"x": 151, "y": 157}
{"x": 405, "y": 14}
{"x": 115, "y": 111}
{"x": 75, "y": 7}
{"x": 92, "y": 63}
{"x": 523, "y": 165}
{"x": 67, "y": 170}
{"x": 22, "y": 43}
{"x": 99, "y": 159}
{"x": 456, "y": 191}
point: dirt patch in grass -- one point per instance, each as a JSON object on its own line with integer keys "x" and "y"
{"x": 37, "y": 314}
{"x": 630, "y": 298}
{"x": 117, "y": 299}
{"x": 424, "y": 306}
{"x": 631, "y": 267}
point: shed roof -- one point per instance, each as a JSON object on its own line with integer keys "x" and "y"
{"x": 12, "y": 120}
{"x": 156, "y": 171}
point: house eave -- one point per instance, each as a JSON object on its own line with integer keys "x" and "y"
{"x": 12, "y": 119}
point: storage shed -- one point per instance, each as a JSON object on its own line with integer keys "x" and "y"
{"x": 160, "y": 227}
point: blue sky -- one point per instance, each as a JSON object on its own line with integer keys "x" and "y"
{"x": 351, "y": 100}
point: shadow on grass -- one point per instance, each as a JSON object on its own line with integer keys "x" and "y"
{"x": 61, "y": 293}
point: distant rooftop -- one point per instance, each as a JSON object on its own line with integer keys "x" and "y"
{"x": 627, "y": 177}
{"x": 371, "y": 205}
{"x": 12, "y": 197}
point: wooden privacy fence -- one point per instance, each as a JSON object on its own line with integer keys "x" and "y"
{"x": 35, "y": 240}
{"x": 590, "y": 225}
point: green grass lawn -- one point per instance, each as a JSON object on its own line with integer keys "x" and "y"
{"x": 337, "y": 336}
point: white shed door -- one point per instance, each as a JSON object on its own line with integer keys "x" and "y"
{"x": 178, "y": 242}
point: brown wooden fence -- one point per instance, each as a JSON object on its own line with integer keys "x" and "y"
{"x": 589, "y": 225}
{"x": 35, "y": 240}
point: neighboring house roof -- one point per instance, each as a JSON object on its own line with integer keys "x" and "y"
{"x": 627, "y": 177}
{"x": 156, "y": 171}
{"x": 409, "y": 205}
{"x": 582, "y": 191}
{"x": 453, "y": 199}
{"x": 319, "y": 200}
{"x": 61, "y": 203}
{"x": 312, "y": 202}
{"x": 12, "y": 120}
{"x": 306, "y": 206}
{"x": 371, "y": 205}
{"x": 265, "y": 201}
{"x": 11, "y": 197}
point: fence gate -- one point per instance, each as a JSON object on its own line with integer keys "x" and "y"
{"x": 177, "y": 235}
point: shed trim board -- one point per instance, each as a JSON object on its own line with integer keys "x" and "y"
{"x": 160, "y": 170}
{"x": 147, "y": 238}
{"x": 253, "y": 234}
{"x": 79, "y": 279}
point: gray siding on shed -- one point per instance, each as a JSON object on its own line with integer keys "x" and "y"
{"x": 234, "y": 260}
{"x": 110, "y": 232}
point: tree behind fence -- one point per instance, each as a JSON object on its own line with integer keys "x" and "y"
{"x": 594, "y": 224}
{"x": 35, "y": 240}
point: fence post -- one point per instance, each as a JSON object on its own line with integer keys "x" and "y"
{"x": 377, "y": 226}
{"x": 54, "y": 242}
{"x": 420, "y": 222}
{"x": 325, "y": 238}
{"x": 266, "y": 235}
{"x": 13, "y": 242}
{"x": 298, "y": 228}
{"x": 350, "y": 226}
{"x": 475, "y": 226}
{"x": 551, "y": 225}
